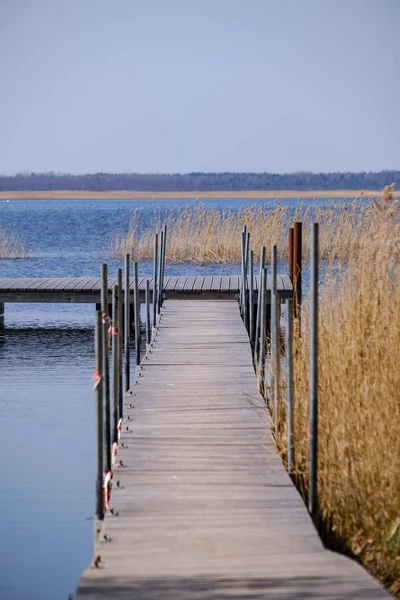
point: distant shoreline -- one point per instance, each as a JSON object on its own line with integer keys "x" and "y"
{"x": 135, "y": 195}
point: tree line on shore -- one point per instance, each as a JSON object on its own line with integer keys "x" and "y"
{"x": 301, "y": 181}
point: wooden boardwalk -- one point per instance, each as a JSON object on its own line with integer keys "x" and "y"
{"x": 205, "y": 507}
{"x": 87, "y": 289}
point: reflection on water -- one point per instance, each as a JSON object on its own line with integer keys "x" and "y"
{"x": 47, "y": 443}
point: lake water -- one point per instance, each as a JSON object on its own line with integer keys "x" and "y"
{"x": 47, "y": 439}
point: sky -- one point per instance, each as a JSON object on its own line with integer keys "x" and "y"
{"x": 178, "y": 86}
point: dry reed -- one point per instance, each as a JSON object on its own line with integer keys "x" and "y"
{"x": 359, "y": 399}
{"x": 208, "y": 235}
{"x": 12, "y": 245}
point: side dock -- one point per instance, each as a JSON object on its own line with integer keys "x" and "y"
{"x": 201, "y": 505}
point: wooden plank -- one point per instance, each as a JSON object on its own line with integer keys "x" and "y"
{"x": 203, "y": 507}
{"x": 234, "y": 284}
{"x": 180, "y": 283}
{"x": 5, "y": 283}
{"x": 207, "y": 283}
{"x": 216, "y": 284}
{"x": 189, "y": 283}
{"x": 224, "y": 284}
{"x": 198, "y": 285}
{"x": 21, "y": 284}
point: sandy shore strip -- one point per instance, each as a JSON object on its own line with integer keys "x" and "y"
{"x": 134, "y": 195}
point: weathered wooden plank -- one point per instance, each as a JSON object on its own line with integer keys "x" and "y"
{"x": 225, "y": 283}
{"x": 189, "y": 285}
{"x": 205, "y": 508}
{"x": 216, "y": 284}
{"x": 207, "y": 283}
{"x": 198, "y": 285}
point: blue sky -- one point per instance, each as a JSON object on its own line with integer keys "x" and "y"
{"x": 199, "y": 85}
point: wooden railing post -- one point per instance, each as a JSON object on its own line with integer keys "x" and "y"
{"x": 290, "y": 252}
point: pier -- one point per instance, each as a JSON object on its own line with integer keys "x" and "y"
{"x": 201, "y": 505}
{"x": 193, "y": 500}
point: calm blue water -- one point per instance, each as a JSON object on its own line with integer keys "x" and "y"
{"x": 46, "y": 398}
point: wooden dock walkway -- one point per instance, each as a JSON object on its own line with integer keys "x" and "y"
{"x": 87, "y": 289}
{"x": 203, "y": 508}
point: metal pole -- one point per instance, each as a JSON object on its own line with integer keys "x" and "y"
{"x": 251, "y": 300}
{"x": 163, "y": 263}
{"x": 258, "y": 316}
{"x": 148, "y": 328}
{"x": 155, "y": 279}
{"x": 297, "y": 267}
{"x": 313, "y": 456}
{"x": 289, "y": 383}
{"x": 273, "y": 353}
{"x": 115, "y": 361}
{"x": 290, "y": 252}
{"x": 137, "y": 309}
{"x": 106, "y": 368}
{"x": 243, "y": 243}
{"x": 160, "y": 291}
{"x": 120, "y": 355}
{"x": 98, "y": 386}
{"x": 127, "y": 324}
{"x": 277, "y": 362}
{"x": 263, "y": 305}
{"x": 245, "y": 295}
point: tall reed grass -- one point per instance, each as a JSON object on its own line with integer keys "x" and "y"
{"x": 359, "y": 399}
{"x": 12, "y": 245}
{"x": 208, "y": 235}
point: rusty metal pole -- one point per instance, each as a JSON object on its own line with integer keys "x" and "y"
{"x": 297, "y": 267}
{"x": 290, "y": 252}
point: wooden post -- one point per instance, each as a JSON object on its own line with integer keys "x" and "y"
{"x": 155, "y": 280}
{"x": 137, "y": 309}
{"x": 160, "y": 273}
{"x": 289, "y": 384}
{"x": 251, "y": 300}
{"x": 263, "y": 303}
{"x": 148, "y": 327}
{"x": 297, "y": 267}
{"x": 120, "y": 355}
{"x": 274, "y": 348}
{"x": 127, "y": 318}
{"x": 98, "y": 386}
{"x": 313, "y": 451}
{"x": 115, "y": 361}
{"x": 106, "y": 368}
{"x": 290, "y": 252}
{"x": 258, "y": 316}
